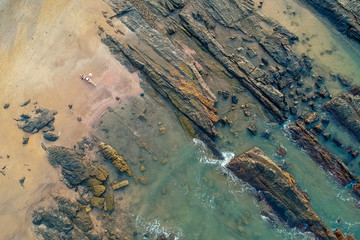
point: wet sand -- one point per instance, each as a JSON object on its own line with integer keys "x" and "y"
{"x": 45, "y": 45}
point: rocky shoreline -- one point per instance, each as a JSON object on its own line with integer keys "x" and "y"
{"x": 279, "y": 189}
{"x": 196, "y": 55}
{"x": 343, "y": 14}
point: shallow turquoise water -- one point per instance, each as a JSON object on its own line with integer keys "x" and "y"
{"x": 192, "y": 195}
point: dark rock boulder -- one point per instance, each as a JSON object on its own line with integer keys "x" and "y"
{"x": 280, "y": 191}
{"x": 71, "y": 161}
{"x": 51, "y": 136}
{"x": 346, "y": 109}
{"x": 43, "y": 118}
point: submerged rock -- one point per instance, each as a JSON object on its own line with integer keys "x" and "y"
{"x": 280, "y": 191}
{"x": 112, "y": 155}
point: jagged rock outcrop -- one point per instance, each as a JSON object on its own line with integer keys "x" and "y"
{"x": 64, "y": 221}
{"x": 344, "y": 14}
{"x": 167, "y": 68}
{"x": 280, "y": 191}
{"x": 43, "y": 118}
{"x": 72, "y": 163}
{"x": 117, "y": 160}
{"x": 346, "y": 109}
{"x": 329, "y": 161}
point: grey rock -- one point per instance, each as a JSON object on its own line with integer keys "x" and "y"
{"x": 346, "y": 110}
{"x": 344, "y": 14}
{"x": 71, "y": 162}
{"x": 43, "y": 118}
{"x": 51, "y": 136}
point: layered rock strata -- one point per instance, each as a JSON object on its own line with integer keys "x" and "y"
{"x": 280, "y": 191}
{"x": 345, "y": 15}
{"x": 329, "y": 161}
{"x": 346, "y": 109}
{"x": 167, "y": 68}
{"x": 117, "y": 160}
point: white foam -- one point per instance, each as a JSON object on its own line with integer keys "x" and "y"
{"x": 204, "y": 155}
{"x": 154, "y": 227}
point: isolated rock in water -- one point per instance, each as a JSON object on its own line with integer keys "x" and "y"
{"x": 112, "y": 155}
{"x": 281, "y": 151}
{"x": 329, "y": 161}
{"x": 71, "y": 162}
{"x": 51, "y": 136}
{"x": 121, "y": 184}
{"x": 346, "y": 109}
{"x": 252, "y": 128}
{"x": 280, "y": 191}
{"x": 34, "y": 124}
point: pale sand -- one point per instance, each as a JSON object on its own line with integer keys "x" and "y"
{"x": 44, "y": 46}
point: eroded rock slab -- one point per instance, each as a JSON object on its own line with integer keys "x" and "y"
{"x": 280, "y": 191}
{"x": 72, "y": 163}
{"x": 117, "y": 160}
{"x": 329, "y": 161}
{"x": 346, "y": 109}
{"x": 345, "y": 15}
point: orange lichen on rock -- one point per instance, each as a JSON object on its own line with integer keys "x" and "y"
{"x": 112, "y": 155}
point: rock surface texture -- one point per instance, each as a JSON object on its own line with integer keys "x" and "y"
{"x": 72, "y": 163}
{"x": 112, "y": 155}
{"x": 280, "y": 191}
{"x": 345, "y": 14}
{"x": 329, "y": 161}
{"x": 346, "y": 109}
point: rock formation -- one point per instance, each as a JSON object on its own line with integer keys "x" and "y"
{"x": 112, "y": 155}
{"x": 329, "y": 161}
{"x": 280, "y": 191}
{"x": 346, "y": 109}
{"x": 344, "y": 15}
{"x": 72, "y": 163}
{"x": 43, "y": 118}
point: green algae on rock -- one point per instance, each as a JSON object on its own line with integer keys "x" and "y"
{"x": 112, "y": 155}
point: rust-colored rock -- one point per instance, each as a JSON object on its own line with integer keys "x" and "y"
{"x": 112, "y": 155}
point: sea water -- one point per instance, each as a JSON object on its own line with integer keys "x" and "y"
{"x": 190, "y": 194}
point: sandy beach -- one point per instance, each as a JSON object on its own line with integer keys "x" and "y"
{"x": 44, "y": 47}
